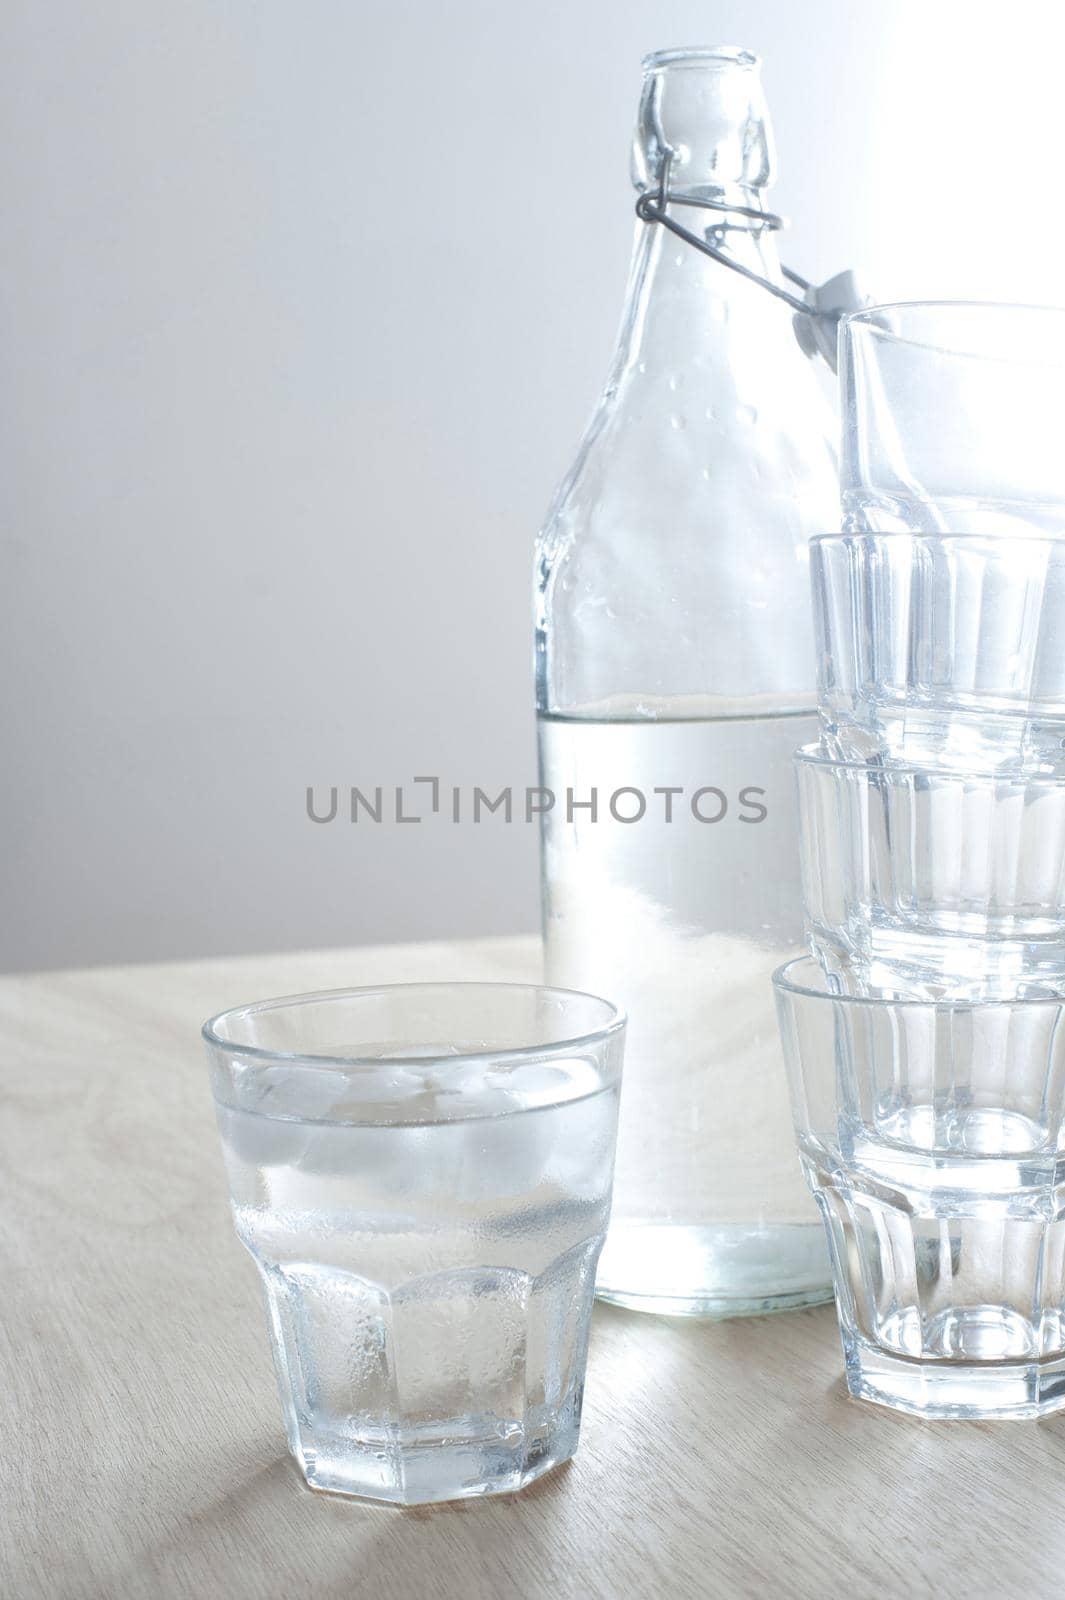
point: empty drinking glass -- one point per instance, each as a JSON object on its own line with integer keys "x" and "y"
{"x": 931, "y": 1136}
{"x": 931, "y": 881}
{"x": 422, "y": 1175}
{"x": 951, "y": 419}
{"x": 946, "y": 649}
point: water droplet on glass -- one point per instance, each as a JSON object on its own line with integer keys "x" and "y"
{"x": 675, "y": 381}
{"x": 747, "y": 413}
{"x": 678, "y": 260}
{"x": 677, "y": 423}
{"x": 706, "y": 474}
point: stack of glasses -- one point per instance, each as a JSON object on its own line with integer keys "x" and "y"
{"x": 925, "y": 1036}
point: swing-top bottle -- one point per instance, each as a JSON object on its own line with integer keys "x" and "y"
{"x": 674, "y": 682}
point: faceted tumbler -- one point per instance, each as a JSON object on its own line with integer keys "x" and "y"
{"x": 931, "y": 1136}
{"x": 942, "y": 649}
{"x": 933, "y": 882}
{"x": 422, "y": 1175}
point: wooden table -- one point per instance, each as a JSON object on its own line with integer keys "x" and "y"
{"x": 142, "y": 1445}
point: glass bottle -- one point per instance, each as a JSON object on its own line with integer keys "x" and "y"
{"x": 674, "y": 681}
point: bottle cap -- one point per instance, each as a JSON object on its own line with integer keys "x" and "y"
{"x": 817, "y": 329}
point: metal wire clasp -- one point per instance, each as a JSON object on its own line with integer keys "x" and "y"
{"x": 820, "y": 307}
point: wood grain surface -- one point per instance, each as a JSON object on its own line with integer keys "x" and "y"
{"x": 143, "y": 1451}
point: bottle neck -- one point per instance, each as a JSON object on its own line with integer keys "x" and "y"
{"x": 702, "y": 131}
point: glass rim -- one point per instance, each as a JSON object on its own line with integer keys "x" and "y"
{"x": 614, "y": 1024}
{"x": 864, "y": 321}
{"x": 930, "y": 538}
{"x": 701, "y": 55}
{"x": 812, "y": 755}
{"x": 785, "y": 984}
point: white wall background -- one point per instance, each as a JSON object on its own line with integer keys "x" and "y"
{"x": 304, "y": 308}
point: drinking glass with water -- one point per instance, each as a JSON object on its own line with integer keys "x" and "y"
{"x": 422, "y": 1174}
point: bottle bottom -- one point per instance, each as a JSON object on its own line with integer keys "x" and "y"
{"x": 714, "y": 1270}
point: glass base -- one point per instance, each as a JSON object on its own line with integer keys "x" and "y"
{"x": 958, "y": 1390}
{"x": 448, "y": 1461}
{"x": 714, "y": 1270}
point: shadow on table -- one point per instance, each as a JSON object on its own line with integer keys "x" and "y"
{"x": 269, "y": 1535}
{"x": 844, "y": 1478}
